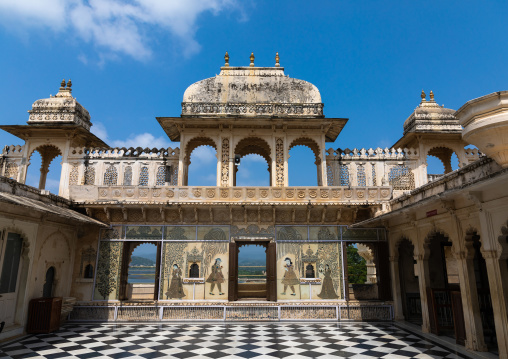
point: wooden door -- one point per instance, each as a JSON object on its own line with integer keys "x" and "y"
{"x": 233, "y": 272}
{"x": 271, "y": 273}
{"x": 10, "y": 261}
{"x": 158, "y": 271}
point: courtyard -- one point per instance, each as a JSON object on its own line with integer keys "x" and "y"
{"x": 238, "y": 340}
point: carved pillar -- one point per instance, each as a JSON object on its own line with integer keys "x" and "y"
{"x": 397, "y": 293}
{"x": 496, "y": 271}
{"x": 280, "y": 179}
{"x": 225, "y": 177}
{"x": 422, "y": 265}
{"x": 63, "y": 189}
{"x": 472, "y": 319}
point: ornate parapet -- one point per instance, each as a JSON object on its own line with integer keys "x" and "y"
{"x": 258, "y": 195}
{"x": 249, "y": 109}
{"x": 373, "y": 167}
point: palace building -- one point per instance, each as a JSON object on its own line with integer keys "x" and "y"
{"x": 376, "y": 238}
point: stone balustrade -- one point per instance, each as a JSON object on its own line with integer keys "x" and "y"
{"x": 191, "y": 194}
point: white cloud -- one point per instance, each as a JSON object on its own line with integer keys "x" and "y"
{"x": 118, "y": 26}
{"x": 142, "y": 140}
{"x": 203, "y": 155}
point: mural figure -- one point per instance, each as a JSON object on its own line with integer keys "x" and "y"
{"x": 327, "y": 289}
{"x": 176, "y": 287}
{"x": 216, "y": 277}
{"x": 289, "y": 278}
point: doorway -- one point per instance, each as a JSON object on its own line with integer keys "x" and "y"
{"x": 10, "y": 259}
{"x": 252, "y": 271}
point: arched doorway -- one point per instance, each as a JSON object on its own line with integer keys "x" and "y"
{"x": 47, "y": 290}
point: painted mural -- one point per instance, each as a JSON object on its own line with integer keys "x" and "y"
{"x": 194, "y": 263}
{"x": 107, "y": 283}
{"x": 309, "y": 263}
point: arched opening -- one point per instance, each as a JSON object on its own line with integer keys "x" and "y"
{"x": 252, "y": 171}
{"x": 47, "y": 290}
{"x": 142, "y": 271}
{"x": 304, "y": 163}
{"x": 409, "y": 283}
{"x": 361, "y": 272}
{"x": 200, "y": 163}
{"x": 253, "y": 149}
{"x": 440, "y": 161}
{"x": 88, "y": 272}
{"x": 483, "y": 292}
{"x": 443, "y": 294}
{"x": 45, "y": 168}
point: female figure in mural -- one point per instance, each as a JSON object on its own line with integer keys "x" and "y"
{"x": 289, "y": 278}
{"x": 327, "y": 289}
{"x": 176, "y": 287}
{"x": 216, "y": 277}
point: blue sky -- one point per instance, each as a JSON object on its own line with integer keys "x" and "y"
{"x": 131, "y": 61}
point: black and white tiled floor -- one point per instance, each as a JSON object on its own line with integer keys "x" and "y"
{"x": 249, "y": 340}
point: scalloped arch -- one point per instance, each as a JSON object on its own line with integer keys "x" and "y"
{"x": 307, "y": 142}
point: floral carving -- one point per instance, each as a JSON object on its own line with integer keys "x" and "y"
{"x": 110, "y": 254}
{"x": 225, "y": 162}
{"x": 279, "y": 161}
{"x": 170, "y": 193}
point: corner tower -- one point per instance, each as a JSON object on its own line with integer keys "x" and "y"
{"x": 252, "y": 110}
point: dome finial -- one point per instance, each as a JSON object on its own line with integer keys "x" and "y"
{"x": 432, "y": 96}
{"x": 423, "y": 95}
{"x": 226, "y": 58}
{"x": 62, "y": 84}
{"x": 251, "y": 59}
{"x": 69, "y": 85}
{"x": 277, "y": 58}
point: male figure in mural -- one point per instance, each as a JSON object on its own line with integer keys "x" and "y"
{"x": 289, "y": 278}
{"x": 327, "y": 289}
{"x": 176, "y": 287}
{"x": 216, "y": 277}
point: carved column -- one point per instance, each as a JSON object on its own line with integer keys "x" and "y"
{"x": 471, "y": 308}
{"x": 225, "y": 177}
{"x": 422, "y": 265}
{"x": 397, "y": 293}
{"x": 496, "y": 272}
{"x": 279, "y": 178}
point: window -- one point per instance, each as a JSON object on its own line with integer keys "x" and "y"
{"x": 10, "y": 267}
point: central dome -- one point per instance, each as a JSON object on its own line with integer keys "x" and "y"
{"x": 252, "y": 91}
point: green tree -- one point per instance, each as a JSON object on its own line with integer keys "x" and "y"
{"x": 356, "y": 266}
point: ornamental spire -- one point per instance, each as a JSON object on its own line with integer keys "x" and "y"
{"x": 277, "y": 58}
{"x": 431, "y": 96}
{"x": 423, "y": 96}
{"x": 226, "y": 59}
{"x": 252, "y": 59}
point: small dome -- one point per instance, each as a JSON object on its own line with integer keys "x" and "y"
{"x": 430, "y": 117}
{"x": 62, "y": 109}
{"x": 252, "y": 91}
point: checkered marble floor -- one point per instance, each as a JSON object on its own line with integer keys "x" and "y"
{"x": 249, "y": 340}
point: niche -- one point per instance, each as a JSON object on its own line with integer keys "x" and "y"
{"x": 194, "y": 270}
{"x": 310, "y": 270}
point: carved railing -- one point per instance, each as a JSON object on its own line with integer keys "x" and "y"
{"x": 231, "y": 194}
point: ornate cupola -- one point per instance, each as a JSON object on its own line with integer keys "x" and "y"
{"x": 56, "y": 125}
{"x": 252, "y": 110}
{"x": 435, "y": 131}
{"x": 61, "y": 109}
{"x": 429, "y": 117}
